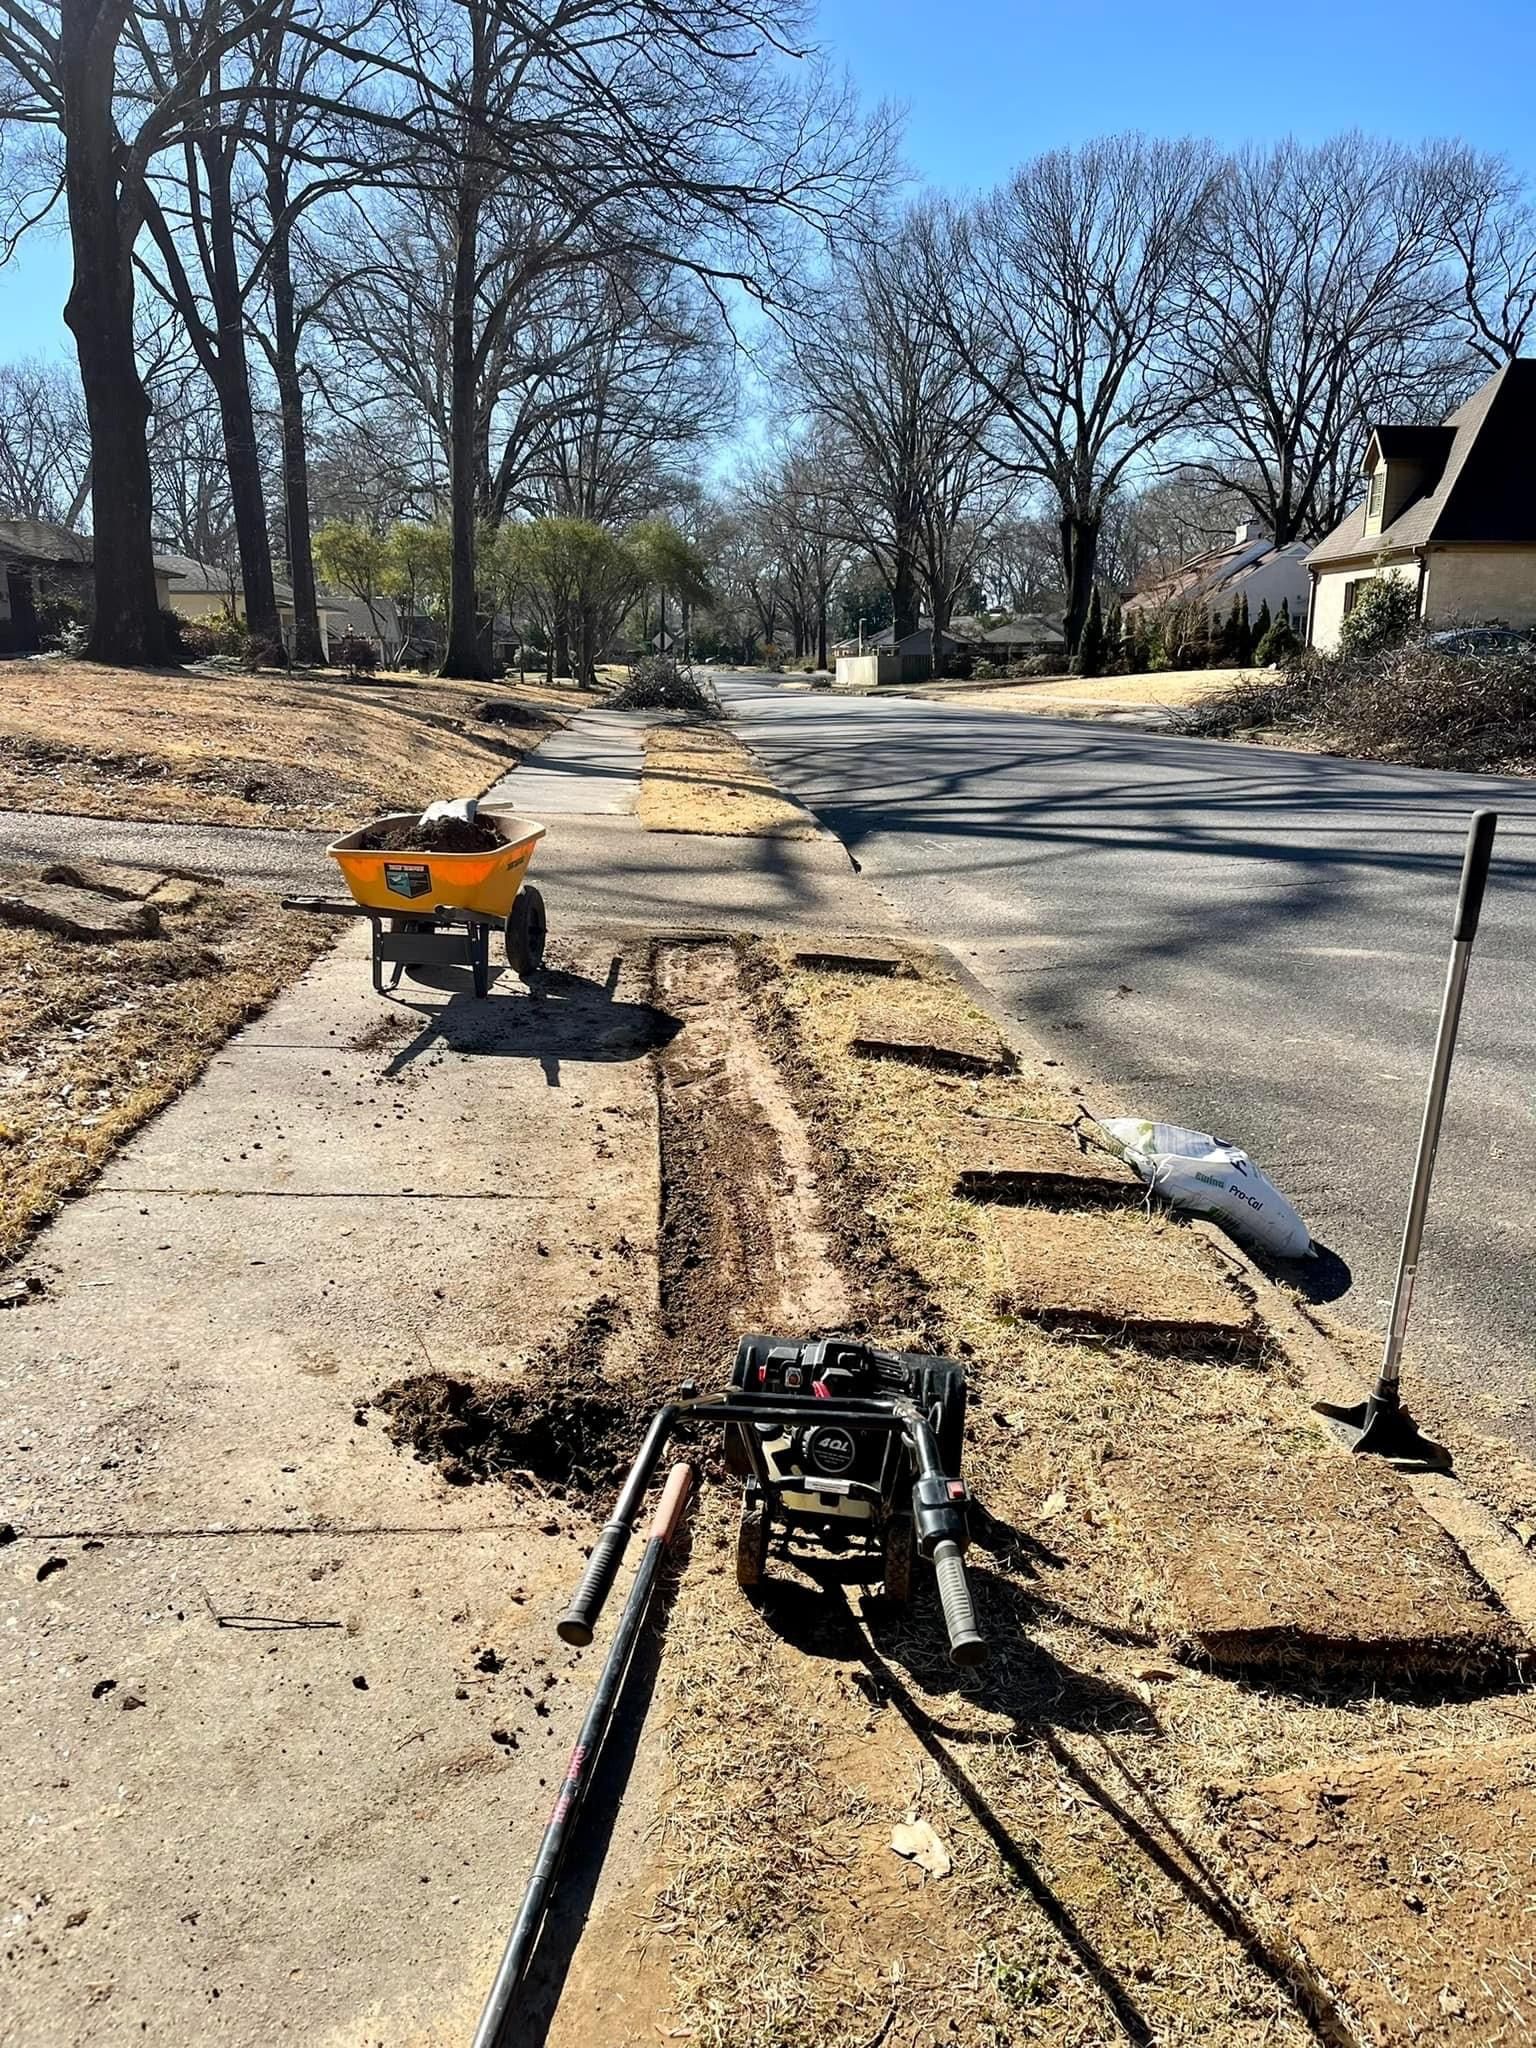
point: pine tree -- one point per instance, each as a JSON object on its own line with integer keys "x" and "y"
{"x": 1090, "y": 648}
{"x": 1242, "y": 635}
{"x": 1280, "y": 644}
{"x": 1261, "y": 625}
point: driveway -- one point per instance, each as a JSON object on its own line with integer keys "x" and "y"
{"x": 1247, "y": 940}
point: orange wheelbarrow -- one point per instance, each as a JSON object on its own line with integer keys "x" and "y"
{"x": 433, "y": 910}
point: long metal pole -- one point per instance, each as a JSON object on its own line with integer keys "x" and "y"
{"x": 497, "y": 2020}
{"x": 1474, "y": 875}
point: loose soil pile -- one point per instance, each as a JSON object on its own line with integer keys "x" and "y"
{"x": 441, "y": 835}
{"x": 576, "y": 1440}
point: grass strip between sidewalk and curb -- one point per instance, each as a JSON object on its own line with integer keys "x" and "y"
{"x": 1095, "y": 1891}
{"x": 95, "y": 1038}
{"x": 698, "y": 778}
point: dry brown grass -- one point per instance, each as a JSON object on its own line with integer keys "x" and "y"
{"x": 314, "y": 751}
{"x": 1095, "y": 1896}
{"x": 95, "y": 1038}
{"x": 1090, "y": 696}
{"x": 697, "y": 778}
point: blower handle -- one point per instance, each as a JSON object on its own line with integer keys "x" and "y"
{"x": 580, "y": 1618}
{"x": 1474, "y": 875}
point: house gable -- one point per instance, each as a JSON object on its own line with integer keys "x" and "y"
{"x": 1465, "y": 482}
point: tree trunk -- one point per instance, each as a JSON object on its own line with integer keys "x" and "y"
{"x": 562, "y": 646}
{"x": 308, "y": 647}
{"x": 587, "y": 660}
{"x": 237, "y": 415}
{"x": 821, "y": 630}
{"x": 465, "y": 653}
{"x": 942, "y": 607}
{"x": 1079, "y": 559}
{"x": 904, "y": 588}
{"x": 126, "y": 626}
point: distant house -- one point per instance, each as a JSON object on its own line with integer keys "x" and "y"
{"x": 213, "y": 590}
{"x": 1012, "y": 640}
{"x": 1449, "y": 509}
{"x": 969, "y": 636}
{"x": 39, "y": 560}
{"x": 1249, "y": 565}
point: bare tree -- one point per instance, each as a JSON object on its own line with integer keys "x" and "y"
{"x": 1489, "y": 226}
{"x": 675, "y": 131}
{"x": 1065, "y": 293}
{"x": 77, "y": 66}
{"x": 45, "y": 443}
{"x": 1322, "y": 304}
{"x": 899, "y": 415}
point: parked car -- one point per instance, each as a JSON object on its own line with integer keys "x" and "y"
{"x": 1484, "y": 640}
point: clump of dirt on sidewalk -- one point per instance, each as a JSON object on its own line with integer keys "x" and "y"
{"x": 563, "y": 1436}
{"x": 94, "y": 1038}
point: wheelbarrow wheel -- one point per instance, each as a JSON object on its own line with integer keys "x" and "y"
{"x": 525, "y": 933}
{"x": 900, "y": 1557}
{"x": 752, "y": 1545}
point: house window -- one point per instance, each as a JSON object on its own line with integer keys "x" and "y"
{"x": 1378, "y": 496}
{"x": 1352, "y": 593}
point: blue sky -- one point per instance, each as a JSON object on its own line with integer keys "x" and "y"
{"x": 987, "y": 83}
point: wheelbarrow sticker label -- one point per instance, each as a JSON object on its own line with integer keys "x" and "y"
{"x": 402, "y": 879}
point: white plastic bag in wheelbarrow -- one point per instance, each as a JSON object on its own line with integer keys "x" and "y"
{"x": 1192, "y": 1170}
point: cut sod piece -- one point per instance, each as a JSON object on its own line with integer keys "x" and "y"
{"x": 904, "y": 1027}
{"x": 1407, "y": 1881}
{"x": 1292, "y": 1557}
{"x": 1119, "y": 1273}
{"x": 1006, "y": 1159}
{"x": 850, "y": 956}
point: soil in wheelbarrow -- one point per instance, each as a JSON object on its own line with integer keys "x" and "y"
{"x": 443, "y": 835}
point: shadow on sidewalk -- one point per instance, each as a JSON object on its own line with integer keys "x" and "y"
{"x": 564, "y": 1016}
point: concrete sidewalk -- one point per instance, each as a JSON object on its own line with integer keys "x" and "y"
{"x": 283, "y": 1708}
{"x": 598, "y": 863}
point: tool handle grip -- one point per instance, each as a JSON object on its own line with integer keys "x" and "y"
{"x": 577, "y": 1623}
{"x": 1474, "y": 873}
{"x": 966, "y": 1645}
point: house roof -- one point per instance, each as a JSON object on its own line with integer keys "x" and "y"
{"x": 213, "y": 579}
{"x": 40, "y": 540}
{"x": 1213, "y": 573}
{"x": 1482, "y": 493}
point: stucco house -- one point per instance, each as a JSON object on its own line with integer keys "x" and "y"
{"x": 1450, "y": 510}
{"x": 1249, "y": 565}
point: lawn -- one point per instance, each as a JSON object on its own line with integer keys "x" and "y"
{"x": 1090, "y": 696}
{"x": 311, "y": 750}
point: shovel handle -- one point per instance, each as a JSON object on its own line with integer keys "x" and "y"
{"x": 1474, "y": 874}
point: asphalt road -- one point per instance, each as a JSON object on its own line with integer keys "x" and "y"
{"x": 1245, "y": 940}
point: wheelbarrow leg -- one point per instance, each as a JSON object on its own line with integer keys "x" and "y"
{"x": 480, "y": 957}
